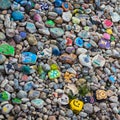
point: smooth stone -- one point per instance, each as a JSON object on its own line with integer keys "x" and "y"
{"x": 115, "y": 17}
{"x": 31, "y": 27}
{"x": 56, "y": 51}
{"x": 37, "y": 103}
{"x": 37, "y": 18}
{"x": 69, "y": 113}
{"x": 52, "y": 118}
{"x": 81, "y": 51}
{"x": 7, "y": 108}
{"x": 33, "y": 94}
{"x": 59, "y": 11}
{"x": 67, "y": 16}
{"x": 2, "y": 36}
{"x": 104, "y": 44}
{"x": 56, "y": 32}
{"x": 70, "y": 49}
{"x": 22, "y": 94}
{"x": 5, "y": 4}
{"x": 44, "y": 31}
{"x": 88, "y": 108}
{"x": 75, "y": 20}
{"x": 7, "y": 49}
{"x": 23, "y": 34}
{"x": 2, "y": 59}
{"x": 17, "y": 16}
{"x": 63, "y": 100}
{"x": 4, "y": 96}
{"x": 84, "y": 34}
{"x": 79, "y": 42}
{"x": 83, "y": 114}
{"x": 28, "y": 58}
{"x": 50, "y": 23}
{"x": 10, "y": 32}
{"x": 28, "y": 86}
{"x": 17, "y": 38}
{"x": 113, "y": 99}
{"x": 32, "y": 39}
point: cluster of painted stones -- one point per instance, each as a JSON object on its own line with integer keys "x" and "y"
{"x": 59, "y": 59}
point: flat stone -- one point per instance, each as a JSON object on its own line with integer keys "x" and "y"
{"x": 67, "y": 16}
{"x": 2, "y": 36}
{"x": 7, "y": 108}
{"x": 88, "y": 108}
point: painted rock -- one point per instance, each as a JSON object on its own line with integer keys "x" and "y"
{"x": 25, "y": 69}
{"x": 66, "y": 6}
{"x": 9, "y": 68}
{"x": 31, "y": 27}
{"x": 56, "y": 51}
{"x": 85, "y": 60}
{"x": 2, "y": 59}
{"x": 63, "y": 100}
{"x": 87, "y": 45}
{"x": 16, "y": 101}
{"x": 23, "y": 34}
{"x": 79, "y": 42}
{"x": 70, "y": 49}
{"x": 53, "y": 74}
{"x": 58, "y": 3}
{"x": 88, "y": 99}
{"x": 17, "y": 15}
{"x": 104, "y": 44}
{"x": 112, "y": 79}
{"x": 44, "y": 6}
{"x": 65, "y": 58}
{"x": 75, "y": 20}
{"x": 46, "y": 53}
{"x": 29, "y": 58}
{"x": 107, "y": 23}
{"x": 5, "y": 4}
{"x": 56, "y": 32}
{"x": 59, "y": 11}
{"x": 106, "y": 36}
{"x": 7, "y": 49}
{"x": 50, "y": 23}
{"x": 76, "y": 105}
{"x": 69, "y": 42}
{"x": 7, "y": 108}
{"x": 4, "y": 96}
{"x": 101, "y": 94}
{"x": 38, "y": 103}
{"x": 98, "y": 61}
{"x": 37, "y": 18}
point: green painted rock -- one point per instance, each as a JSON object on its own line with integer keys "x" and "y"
{"x": 16, "y": 101}
{"x": 5, "y": 4}
{"x": 4, "y": 96}
{"x": 26, "y": 69}
{"x": 53, "y": 74}
{"x": 7, "y": 49}
{"x": 50, "y": 23}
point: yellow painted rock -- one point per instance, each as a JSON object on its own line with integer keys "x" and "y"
{"x": 76, "y": 105}
{"x": 109, "y": 31}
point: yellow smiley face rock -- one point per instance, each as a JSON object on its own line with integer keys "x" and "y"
{"x": 76, "y": 105}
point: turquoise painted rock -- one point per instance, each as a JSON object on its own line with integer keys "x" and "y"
{"x": 53, "y": 74}
{"x": 56, "y": 32}
{"x": 7, "y": 49}
{"x": 25, "y": 69}
{"x": 31, "y": 27}
{"x": 17, "y": 15}
{"x": 5, "y": 4}
{"x": 29, "y": 58}
{"x": 38, "y": 103}
{"x": 4, "y": 96}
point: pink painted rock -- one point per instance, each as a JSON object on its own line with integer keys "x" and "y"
{"x": 37, "y": 18}
{"x": 106, "y": 36}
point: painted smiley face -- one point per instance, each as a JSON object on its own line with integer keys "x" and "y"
{"x": 76, "y": 105}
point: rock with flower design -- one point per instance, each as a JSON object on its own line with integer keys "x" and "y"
{"x": 104, "y": 44}
{"x": 68, "y": 76}
{"x": 101, "y": 94}
{"x": 54, "y": 74}
{"x": 9, "y": 68}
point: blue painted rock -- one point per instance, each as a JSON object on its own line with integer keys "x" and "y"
{"x": 29, "y": 58}
{"x": 56, "y": 51}
{"x": 28, "y": 86}
{"x": 23, "y": 35}
{"x": 5, "y": 4}
{"x": 59, "y": 11}
{"x": 79, "y": 42}
{"x": 38, "y": 103}
{"x": 31, "y": 27}
{"x": 17, "y": 15}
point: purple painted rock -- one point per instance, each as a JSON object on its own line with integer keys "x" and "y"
{"x": 70, "y": 49}
{"x": 104, "y": 44}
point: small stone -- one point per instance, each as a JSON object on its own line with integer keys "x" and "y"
{"x": 2, "y": 59}
{"x": 88, "y": 108}
{"x": 56, "y": 51}
{"x": 56, "y": 32}
{"x": 67, "y": 16}
{"x": 4, "y": 96}
{"x": 53, "y": 74}
{"x": 59, "y": 11}
{"x": 28, "y": 86}
{"x": 83, "y": 114}
{"x": 32, "y": 39}
{"x": 75, "y": 20}
{"x": 81, "y": 51}
{"x": 96, "y": 109}
{"x": 29, "y": 58}
{"x": 115, "y": 17}
{"x": 31, "y": 27}
{"x": 7, "y": 108}
{"x": 79, "y": 42}
{"x": 104, "y": 44}
{"x": 25, "y": 69}
{"x": 17, "y": 15}
{"x": 34, "y": 94}
{"x": 107, "y": 23}
{"x": 65, "y": 58}
{"x": 51, "y": 118}
{"x": 50, "y": 23}
{"x": 37, "y": 18}
{"x": 70, "y": 49}
{"x": 113, "y": 99}
{"x": 38, "y": 103}
{"x": 16, "y": 101}
{"x": 109, "y": 31}
{"x": 2, "y": 36}
{"x": 84, "y": 34}
{"x": 17, "y": 38}
{"x": 23, "y": 35}
{"x": 10, "y": 32}
{"x": 7, "y": 49}
{"x": 5, "y": 4}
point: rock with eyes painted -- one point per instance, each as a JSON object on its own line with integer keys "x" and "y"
{"x": 76, "y": 105}
{"x": 63, "y": 100}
